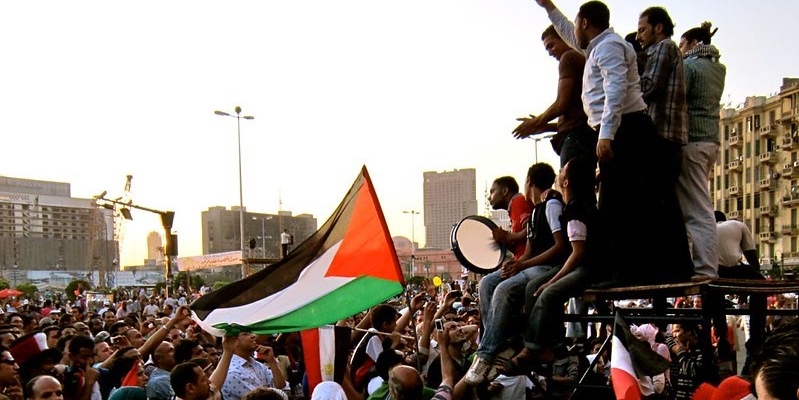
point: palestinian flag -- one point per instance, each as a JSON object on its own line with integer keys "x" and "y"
{"x": 325, "y": 351}
{"x": 630, "y": 360}
{"x": 347, "y": 266}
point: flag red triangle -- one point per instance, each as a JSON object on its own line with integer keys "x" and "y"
{"x": 366, "y": 248}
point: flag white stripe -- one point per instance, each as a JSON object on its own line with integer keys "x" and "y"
{"x": 311, "y": 285}
{"x": 327, "y": 352}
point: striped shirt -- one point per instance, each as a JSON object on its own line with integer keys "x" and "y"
{"x": 704, "y": 84}
{"x": 663, "y": 87}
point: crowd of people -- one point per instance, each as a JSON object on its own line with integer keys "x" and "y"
{"x": 644, "y": 110}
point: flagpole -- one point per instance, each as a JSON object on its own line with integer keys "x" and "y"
{"x": 593, "y": 363}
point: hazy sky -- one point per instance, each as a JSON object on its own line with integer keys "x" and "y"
{"x": 91, "y": 91}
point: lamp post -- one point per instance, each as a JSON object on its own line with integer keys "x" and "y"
{"x": 539, "y": 138}
{"x": 413, "y": 214}
{"x": 238, "y": 117}
{"x": 263, "y": 234}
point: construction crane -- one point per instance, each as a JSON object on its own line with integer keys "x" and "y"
{"x": 122, "y": 214}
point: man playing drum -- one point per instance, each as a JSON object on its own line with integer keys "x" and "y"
{"x": 502, "y": 291}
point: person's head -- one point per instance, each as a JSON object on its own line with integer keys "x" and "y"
{"x": 720, "y": 216}
{"x": 77, "y": 313}
{"x": 118, "y": 328}
{"x": 592, "y": 19}
{"x": 686, "y": 334}
{"x": 540, "y": 177}
{"x": 696, "y": 301}
{"x": 502, "y": 191}
{"x": 775, "y": 365}
{"x": 693, "y": 37}
{"x": 187, "y": 349}
{"x": 53, "y": 333}
{"x": 577, "y": 179}
{"x": 128, "y": 393}
{"x": 384, "y": 318}
{"x": 164, "y": 356}
{"x": 95, "y": 325}
{"x": 9, "y": 370}
{"x": 189, "y": 381}
{"x": 109, "y": 317}
{"x": 654, "y": 25}
{"x": 263, "y": 393}
{"x": 328, "y": 390}
{"x": 44, "y": 387}
{"x": 405, "y": 382}
{"x": 15, "y": 320}
{"x": 102, "y": 351}
{"x": 81, "y": 352}
{"x": 245, "y": 343}
{"x": 211, "y": 352}
{"x": 81, "y": 329}
{"x": 553, "y": 43}
{"x": 135, "y": 337}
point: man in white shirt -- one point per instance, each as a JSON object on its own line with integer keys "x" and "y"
{"x": 615, "y": 107}
{"x": 285, "y": 240}
{"x": 246, "y": 373}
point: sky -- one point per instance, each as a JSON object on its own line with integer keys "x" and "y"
{"x": 92, "y": 91}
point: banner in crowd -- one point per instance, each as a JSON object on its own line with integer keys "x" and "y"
{"x": 345, "y": 267}
{"x": 209, "y": 261}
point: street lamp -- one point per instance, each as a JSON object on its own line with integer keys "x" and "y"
{"x": 263, "y": 234}
{"x": 238, "y": 117}
{"x": 413, "y": 214}
{"x": 539, "y": 138}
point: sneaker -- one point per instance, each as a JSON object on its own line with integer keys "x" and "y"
{"x": 478, "y": 371}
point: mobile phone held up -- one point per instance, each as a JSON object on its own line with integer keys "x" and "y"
{"x": 439, "y": 324}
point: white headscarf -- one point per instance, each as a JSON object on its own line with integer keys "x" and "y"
{"x": 328, "y": 390}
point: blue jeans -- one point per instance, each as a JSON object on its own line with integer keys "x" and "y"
{"x": 500, "y": 299}
{"x": 545, "y": 313}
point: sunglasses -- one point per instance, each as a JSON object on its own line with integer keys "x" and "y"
{"x": 8, "y": 361}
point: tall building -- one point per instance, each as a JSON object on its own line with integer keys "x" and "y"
{"x": 449, "y": 196}
{"x": 42, "y": 227}
{"x": 155, "y": 247}
{"x": 220, "y": 230}
{"x": 756, "y": 178}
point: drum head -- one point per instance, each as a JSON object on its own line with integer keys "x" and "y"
{"x": 474, "y": 245}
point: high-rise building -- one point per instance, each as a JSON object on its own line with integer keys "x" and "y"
{"x": 449, "y": 196}
{"x": 221, "y": 230}
{"x": 42, "y": 227}
{"x": 155, "y": 247}
{"x": 756, "y": 177}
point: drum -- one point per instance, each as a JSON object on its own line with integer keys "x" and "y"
{"x": 474, "y": 245}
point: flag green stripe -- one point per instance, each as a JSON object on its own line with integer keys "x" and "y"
{"x": 352, "y": 298}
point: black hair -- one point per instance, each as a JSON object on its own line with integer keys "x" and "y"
{"x": 720, "y": 216}
{"x": 263, "y": 393}
{"x": 631, "y": 39}
{"x": 541, "y": 175}
{"x": 383, "y": 314}
{"x": 508, "y": 182}
{"x": 114, "y": 329}
{"x": 388, "y": 359}
{"x": 79, "y": 342}
{"x": 182, "y": 375}
{"x": 777, "y": 362}
{"x": 659, "y": 15}
{"x": 550, "y": 32}
{"x": 597, "y": 14}
{"x": 184, "y": 349}
{"x": 581, "y": 176}
{"x": 699, "y": 34}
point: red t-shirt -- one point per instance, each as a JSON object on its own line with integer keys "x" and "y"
{"x": 519, "y": 211}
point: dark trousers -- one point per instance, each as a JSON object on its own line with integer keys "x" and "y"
{"x": 644, "y": 238}
{"x": 285, "y": 248}
{"x": 580, "y": 142}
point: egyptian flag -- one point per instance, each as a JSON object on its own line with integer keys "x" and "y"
{"x": 325, "y": 350}
{"x": 347, "y": 266}
{"x": 630, "y": 360}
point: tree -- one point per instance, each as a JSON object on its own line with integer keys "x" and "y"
{"x": 4, "y": 284}
{"x": 197, "y": 281}
{"x": 73, "y": 286}
{"x": 28, "y": 289}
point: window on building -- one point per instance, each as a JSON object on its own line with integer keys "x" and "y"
{"x": 739, "y": 203}
{"x": 793, "y": 245}
{"x": 757, "y": 200}
{"x": 726, "y": 133}
{"x": 757, "y": 122}
{"x": 748, "y": 202}
{"x": 772, "y": 117}
{"x": 748, "y": 124}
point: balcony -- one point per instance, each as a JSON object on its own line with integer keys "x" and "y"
{"x": 768, "y": 157}
{"x": 790, "y": 142}
{"x": 769, "y": 130}
{"x": 767, "y": 184}
{"x": 768, "y": 210}
{"x": 735, "y": 166}
{"x": 735, "y": 140}
{"x": 787, "y": 170}
{"x": 734, "y": 214}
{"x": 766, "y": 263}
{"x": 788, "y": 230}
{"x": 770, "y": 237}
{"x": 787, "y": 116}
{"x": 733, "y": 191}
{"x": 792, "y": 199}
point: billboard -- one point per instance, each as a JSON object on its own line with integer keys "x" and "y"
{"x": 209, "y": 261}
